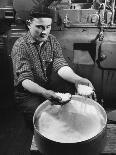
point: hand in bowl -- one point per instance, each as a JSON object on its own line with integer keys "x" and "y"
{"x": 65, "y": 98}
{"x": 86, "y": 91}
{"x": 83, "y": 81}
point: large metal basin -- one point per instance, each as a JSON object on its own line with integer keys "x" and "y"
{"x": 91, "y": 146}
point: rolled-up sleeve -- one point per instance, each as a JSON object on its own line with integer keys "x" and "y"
{"x": 21, "y": 65}
{"x": 59, "y": 60}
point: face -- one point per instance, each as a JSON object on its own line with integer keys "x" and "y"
{"x": 40, "y": 28}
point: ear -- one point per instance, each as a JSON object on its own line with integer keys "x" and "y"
{"x": 28, "y": 22}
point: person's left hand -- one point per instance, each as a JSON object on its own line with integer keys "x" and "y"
{"x": 83, "y": 81}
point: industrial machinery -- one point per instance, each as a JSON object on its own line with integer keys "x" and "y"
{"x": 86, "y": 30}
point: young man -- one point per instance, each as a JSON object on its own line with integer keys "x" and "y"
{"x": 35, "y": 56}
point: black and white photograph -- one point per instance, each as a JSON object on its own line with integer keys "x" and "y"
{"x": 57, "y": 77}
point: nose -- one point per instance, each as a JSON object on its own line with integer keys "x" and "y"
{"x": 44, "y": 32}
{"x": 44, "y": 29}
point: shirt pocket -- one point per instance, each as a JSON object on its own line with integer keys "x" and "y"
{"x": 48, "y": 66}
{"x": 48, "y": 62}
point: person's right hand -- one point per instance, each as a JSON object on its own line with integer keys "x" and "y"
{"x": 51, "y": 95}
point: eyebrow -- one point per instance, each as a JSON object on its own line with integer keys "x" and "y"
{"x": 42, "y": 26}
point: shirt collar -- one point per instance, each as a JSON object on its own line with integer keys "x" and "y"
{"x": 31, "y": 40}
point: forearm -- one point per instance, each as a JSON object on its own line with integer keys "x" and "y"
{"x": 68, "y": 74}
{"x": 38, "y": 90}
{"x": 33, "y": 87}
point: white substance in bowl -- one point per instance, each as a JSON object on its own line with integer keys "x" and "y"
{"x": 64, "y": 96}
{"x": 84, "y": 90}
{"x": 71, "y": 123}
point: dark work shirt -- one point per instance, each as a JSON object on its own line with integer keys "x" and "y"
{"x": 34, "y": 62}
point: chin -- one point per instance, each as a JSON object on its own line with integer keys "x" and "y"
{"x": 43, "y": 39}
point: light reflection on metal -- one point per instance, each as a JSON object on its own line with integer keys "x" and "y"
{"x": 66, "y": 20}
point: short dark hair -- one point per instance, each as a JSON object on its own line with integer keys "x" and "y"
{"x": 41, "y": 12}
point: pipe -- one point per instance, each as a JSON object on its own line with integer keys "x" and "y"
{"x": 113, "y": 12}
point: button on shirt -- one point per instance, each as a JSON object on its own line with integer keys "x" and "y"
{"x": 34, "y": 62}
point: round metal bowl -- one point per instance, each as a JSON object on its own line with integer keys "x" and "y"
{"x": 90, "y": 146}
